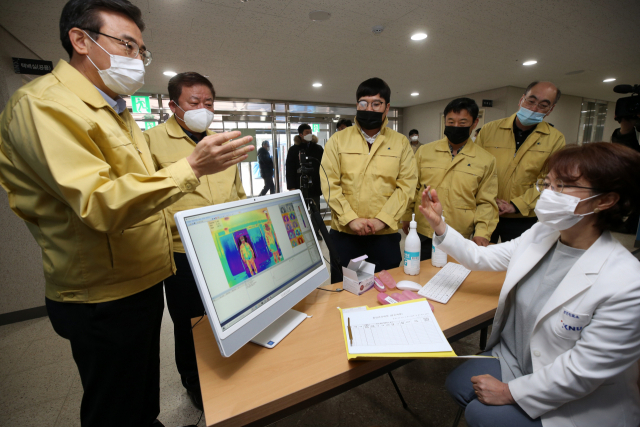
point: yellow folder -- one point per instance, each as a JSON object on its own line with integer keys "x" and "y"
{"x": 390, "y": 355}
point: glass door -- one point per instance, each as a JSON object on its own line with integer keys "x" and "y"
{"x": 593, "y": 114}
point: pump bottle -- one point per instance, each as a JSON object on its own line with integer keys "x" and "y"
{"x": 412, "y": 250}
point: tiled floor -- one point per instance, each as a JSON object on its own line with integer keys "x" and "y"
{"x": 40, "y": 386}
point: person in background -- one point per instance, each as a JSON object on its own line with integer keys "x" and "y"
{"x": 464, "y": 175}
{"x": 343, "y": 124}
{"x": 266, "y": 168}
{"x": 627, "y": 133}
{"x": 372, "y": 175}
{"x": 566, "y": 335}
{"x": 475, "y": 134}
{"x": 77, "y": 170}
{"x": 521, "y": 144}
{"x": 307, "y": 142}
{"x": 191, "y": 101}
{"x": 414, "y": 139}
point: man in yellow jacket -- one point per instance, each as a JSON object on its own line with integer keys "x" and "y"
{"x": 77, "y": 170}
{"x": 463, "y": 174}
{"x": 372, "y": 175}
{"x": 191, "y": 101}
{"x": 521, "y": 144}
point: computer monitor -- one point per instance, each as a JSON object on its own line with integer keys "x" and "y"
{"x": 252, "y": 260}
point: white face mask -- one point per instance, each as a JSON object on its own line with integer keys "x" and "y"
{"x": 557, "y": 210}
{"x": 125, "y": 75}
{"x": 197, "y": 120}
{"x": 308, "y": 137}
{"x": 414, "y": 138}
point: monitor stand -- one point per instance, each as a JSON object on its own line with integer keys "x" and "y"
{"x": 279, "y": 329}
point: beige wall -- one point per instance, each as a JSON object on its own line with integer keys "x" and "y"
{"x": 21, "y": 277}
{"x": 426, "y": 117}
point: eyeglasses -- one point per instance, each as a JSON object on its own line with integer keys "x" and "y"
{"x": 558, "y": 186}
{"x": 131, "y": 48}
{"x": 362, "y": 105}
{"x": 531, "y": 103}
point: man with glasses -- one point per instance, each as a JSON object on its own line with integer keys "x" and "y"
{"x": 78, "y": 171}
{"x": 191, "y": 101}
{"x": 371, "y": 177}
{"x": 521, "y": 144}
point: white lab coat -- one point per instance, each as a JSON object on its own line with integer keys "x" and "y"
{"x": 586, "y": 339}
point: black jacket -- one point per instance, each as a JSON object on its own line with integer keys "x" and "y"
{"x": 293, "y": 164}
{"x": 265, "y": 162}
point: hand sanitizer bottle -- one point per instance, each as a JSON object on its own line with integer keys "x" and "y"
{"x": 412, "y": 250}
{"x": 438, "y": 256}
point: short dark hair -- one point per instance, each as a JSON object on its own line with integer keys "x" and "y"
{"x": 345, "y": 122}
{"x": 188, "y": 79}
{"x": 85, "y": 14}
{"x": 374, "y": 86}
{"x": 414, "y": 132}
{"x": 609, "y": 168}
{"x": 460, "y": 104}
{"x": 303, "y": 127}
{"x": 532, "y": 84}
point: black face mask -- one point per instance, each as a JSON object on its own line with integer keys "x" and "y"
{"x": 457, "y": 135}
{"x": 369, "y": 119}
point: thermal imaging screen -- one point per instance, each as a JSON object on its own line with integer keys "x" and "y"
{"x": 249, "y": 255}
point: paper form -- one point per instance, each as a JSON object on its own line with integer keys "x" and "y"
{"x": 404, "y": 328}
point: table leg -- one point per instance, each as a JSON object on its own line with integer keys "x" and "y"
{"x": 483, "y": 337}
{"x": 404, "y": 404}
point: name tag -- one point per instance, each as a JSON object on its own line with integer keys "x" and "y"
{"x": 570, "y": 323}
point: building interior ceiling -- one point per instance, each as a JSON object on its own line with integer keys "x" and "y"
{"x": 270, "y": 49}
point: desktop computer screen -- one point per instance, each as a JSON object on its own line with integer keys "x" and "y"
{"x": 248, "y": 257}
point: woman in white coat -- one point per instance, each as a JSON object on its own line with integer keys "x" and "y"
{"x": 566, "y": 332}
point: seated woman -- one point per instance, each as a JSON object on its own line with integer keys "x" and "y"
{"x": 566, "y": 333}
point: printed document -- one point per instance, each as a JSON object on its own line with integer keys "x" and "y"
{"x": 402, "y": 328}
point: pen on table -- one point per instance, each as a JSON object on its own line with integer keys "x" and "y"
{"x": 349, "y": 329}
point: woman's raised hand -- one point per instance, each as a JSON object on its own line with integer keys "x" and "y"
{"x": 431, "y": 209}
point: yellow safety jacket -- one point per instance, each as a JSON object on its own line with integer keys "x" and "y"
{"x": 467, "y": 187}
{"x": 518, "y": 171}
{"x": 82, "y": 178}
{"x": 368, "y": 184}
{"x": 169, "y": 143}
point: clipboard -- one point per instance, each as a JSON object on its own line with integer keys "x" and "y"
{"x": 378, "y": 356}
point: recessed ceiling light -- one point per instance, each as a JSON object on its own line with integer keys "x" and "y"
{"x": 530, "y": 62}
{"x": 169, "y": 73}
{"x": 319, "y": 15}
{"x": 609, "y": 80}
{"x": 317, "y": 85}
{"x": 419, "y": 36}
{"x": 415, "y": 94}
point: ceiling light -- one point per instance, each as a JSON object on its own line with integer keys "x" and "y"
{"x": 415, "y": 94}
{"x": 419, "y": 36}
{"x": 530, "y": 63}
{"x": 169, "y": 73}
{"x": 609, "y": 80}
{"x": 319, "y": 15}
{"x": 317, "y": 85}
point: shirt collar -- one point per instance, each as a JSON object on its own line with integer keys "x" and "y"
{"x": 118, "y": 104}
{"x": 369, "y": 139}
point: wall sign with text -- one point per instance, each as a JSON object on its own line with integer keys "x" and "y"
{"x": 32, "y": 66}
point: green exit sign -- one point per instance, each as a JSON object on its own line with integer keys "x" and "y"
{"x": 315, "y": 128}
{"x": 140, "y": 104}
{"x": 149, "y": 125}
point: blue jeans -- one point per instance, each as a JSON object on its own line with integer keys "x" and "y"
{"x": 478, "y": 414}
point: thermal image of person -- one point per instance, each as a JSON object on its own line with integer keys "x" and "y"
{"x": 248, "y": 256}
{"x": 271, "y": 243}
